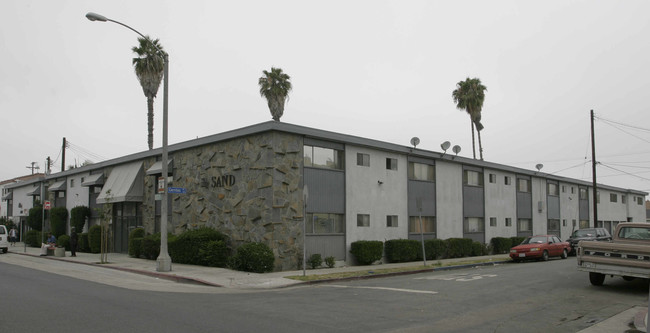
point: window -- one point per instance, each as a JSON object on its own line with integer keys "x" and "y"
{"x": 472, "y": 178}
{"x": 564, "y": 223}
{"x": 363, "y": 159}
{"x": 391, "y": 221}
{"x": 71, "y": 182}
{"x": 583, "y": 194}
{"x": 508, "y": 222}
{"x": 584, "y": 224}
{"x": 82, "y": 179}
{"x": 563, "y": 189}
{"x": 523, "y": 185}
{"x": 639, "y": 200}
{"x": 318, "y": 223}
{"x": 597, "y": 197}
{"x": 493, "y": 221}
{"x": 391, "y": 164}
{"x": 613, "y": 197}
{"x": 573, "y": 190}
{"x": 327, "y": 158}
{"x": 553, "y": 225}
{"x": 420, "y": 171}
{"x": 493, "y": 178}
{"x": 473, "y": 224}
{"x": 428, "y": 224}
{"x": 552, "y": 189}
{"x": 524, "y": 225}
{"x": 363, "y": 220}
{"x": 623, "y": 198}
{"x": 506, "y": 180}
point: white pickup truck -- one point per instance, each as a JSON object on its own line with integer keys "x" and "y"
{"x": 626, "y": 255}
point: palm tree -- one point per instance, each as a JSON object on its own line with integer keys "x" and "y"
{"x": 275, "y": 87}
{"x": 149, "y": 67}
{"x": 469, "y": 96}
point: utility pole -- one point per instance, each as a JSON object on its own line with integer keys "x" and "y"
{"x": 593, "y": 168}
{"x": 48, "y": 169}
{"x": 33, "y": 166}
{"x": 63, "y": 156}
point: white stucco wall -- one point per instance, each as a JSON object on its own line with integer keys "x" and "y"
{"x": 364, "y": 195}
{"x": 449, "y": 200}
{"x": 500, "y": 202}
{"x": 76, "y": 195}
{"x": 22, "y": 202}
{"x": 569, "y": 209}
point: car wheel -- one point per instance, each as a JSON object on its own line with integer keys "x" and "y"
{"x": 545, "y": 255}
{"x": 5, "y": 250}
{"x": 629, "y": 278}
{"x": 596, "y": 279}
{"x": 564, "y": 254}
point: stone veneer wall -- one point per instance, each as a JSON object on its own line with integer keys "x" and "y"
{"x": 264, "y": 204}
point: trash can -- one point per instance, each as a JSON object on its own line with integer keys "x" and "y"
{"x": 59, "y": 252}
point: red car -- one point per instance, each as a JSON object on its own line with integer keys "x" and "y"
{"x": 540, "y": 247}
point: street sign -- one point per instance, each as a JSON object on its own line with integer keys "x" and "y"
{"x": 47, "y": 205}
{"x": 176, "y": 190}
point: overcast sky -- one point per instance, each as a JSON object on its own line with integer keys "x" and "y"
{"x": 382, "y": 70}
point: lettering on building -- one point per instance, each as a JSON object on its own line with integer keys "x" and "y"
{"x": 222, "y": 181}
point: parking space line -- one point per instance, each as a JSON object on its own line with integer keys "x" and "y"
{"x": 384, "y": 288}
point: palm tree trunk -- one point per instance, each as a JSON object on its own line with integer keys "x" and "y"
{"x": 473, "y": 143}
{"x": 150, "y": 121}
{"x": 480, "y": 146}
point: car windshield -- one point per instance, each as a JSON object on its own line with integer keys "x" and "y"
{"x": 634, "y": 233}
{"x": 534, "y": 240}
{"x": 584, "y": 233}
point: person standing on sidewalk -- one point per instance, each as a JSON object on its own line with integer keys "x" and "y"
{"x": 12, "y": 236}
{"x": 73, "y": 241}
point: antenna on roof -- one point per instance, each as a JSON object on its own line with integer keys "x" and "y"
{"x": 33, "y": 166}
{"x": 445, "y": 145}
{"x": 456, "y": 150}
{"x": 415, "y": 141}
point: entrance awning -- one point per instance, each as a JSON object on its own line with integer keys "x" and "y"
{"x": 35, "y": 192}
{"x": 8, "y": 196}
{"x": 94, "y": 180}
{"x": 156, "y": 168}
{"x": 125, "y": 183}
{"x": 57, "y": 186}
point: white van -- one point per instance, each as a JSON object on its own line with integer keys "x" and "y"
{"x": 4, "y": 239}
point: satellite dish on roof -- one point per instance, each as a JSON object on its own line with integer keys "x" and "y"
{"x": 539, "y": 166}
{"x": 445, "y": 145}
{"x": 415, "y": 141}
{"x": 456, "y": 149}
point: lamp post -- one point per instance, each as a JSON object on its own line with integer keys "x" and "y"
{"x": 164, "y": 261}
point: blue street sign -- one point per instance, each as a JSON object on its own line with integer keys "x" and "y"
{"x": 176, "y": 190}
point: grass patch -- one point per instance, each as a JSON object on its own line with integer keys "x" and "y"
{"x": 376, "y": 270}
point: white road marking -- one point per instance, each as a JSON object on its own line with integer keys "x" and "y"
{"x": 384, "y": 288}
{"x": 458, "y": 277}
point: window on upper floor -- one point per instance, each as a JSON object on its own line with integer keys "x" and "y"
{"x": 493, "y": 178}
{"x": 613, "y": 197}
{"x": 318, "y": 157}
{"x": 391, "y": 163}
{"x": 363, "y": 159}
{"x": 420, "y": 171}
{"x": 552, "y": 189}
{"x": 71, "y": 182}
{"x": 583, "y": 194}
{"x": 363, "y": 220}
{"x": 523, "y": 185}
{"x": 472, "y": 178}
{"x": 506, "y": 180}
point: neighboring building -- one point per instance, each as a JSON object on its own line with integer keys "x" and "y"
{"x": 6, "y": 209}
{"x": 248, "y": 183}
{"x": 647, "y": 211}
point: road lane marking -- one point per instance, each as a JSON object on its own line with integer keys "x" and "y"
{"x": 384, "y": 288}
{"x": 458, "y": 277}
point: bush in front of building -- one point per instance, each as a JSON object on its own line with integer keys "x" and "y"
{"x": 33, "y": 238}
{"x": 435, "y": 249}
{"x": 78, "y": 217}
{"x": 480, "y": 249}
{"x": 330, "y": 262}
{"x": 516, "y": 240}
{"x": 84, "y": 244}
{"x": 35, "y": 218}
{"x": 58, "y": 219}
{"x": 95, "y": 239}
{"x": 459, "y": 247}
{"x": 200, "y": 241}
{"x": 151, "y": 246}
{"x": 402, "y": 250}
{"x": 367, "y": 252}
{"x": 315, "y": 260}
{"x": 253, "y": 257}
{"x": 135, "y": 242}
{"x": 63, "y": 241}
{"x": 501, "y": 245}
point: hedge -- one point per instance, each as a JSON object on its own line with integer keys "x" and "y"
{"x": 501, "y": 245}
{"x": 201, "y": 241}
{"x": 516, "y": 240}
{"x": 367, "y": 252}
{"x": 78, "y": 217}
{"x": 58, "y": 218}
{"x": 63, "y": 241}
{"x": 402, "y": 250}
{"x": 84, "y": 244}
{"x": 435, "y": 249}
{"x": 95, "y": 239}
{"x": 253, "y": 257}
{"x": 135, "y": 242}
{"x": 459, "y": 247}
{"x": 34, "y": 238}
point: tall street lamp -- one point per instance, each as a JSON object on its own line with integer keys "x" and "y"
{"x": 164, "y": 261}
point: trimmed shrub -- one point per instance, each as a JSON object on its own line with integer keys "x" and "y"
{"x": 184, "y": 250}
{"x": 253, "y": 257}
{"x": 402, "y": 250}
{"x": 58, "y": 218}
{"x": 330, "y": 262}
{"x": 63, "y": 241}
{"x": 367, "y": 252}
{"x": 501, "y": 245}
{"x": 95, "y": 239}
{"x": 35, "y": 218}
{"x": 151, "y": 246}
{"x": 479, "y": 249}
{"x": 516, "y": 241}
{"x": 214, "y": 253}
{"x": 135, "y": 242}
{"x": 459, "y": 247}
{"x": 315, "y": 260}
{"x": 34, "y": 238}
{"x": 78, "y": 217}
{"x": 84, "y": 244}
{"x": 434, "y": 248}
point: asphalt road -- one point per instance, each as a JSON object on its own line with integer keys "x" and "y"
{"x": 528, "y": 297}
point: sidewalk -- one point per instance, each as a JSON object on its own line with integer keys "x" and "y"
{"x": 221, "y": 277}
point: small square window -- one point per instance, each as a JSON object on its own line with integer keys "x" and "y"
{"x": 493, "y": 178}
{"x": 563, "y": 189}
{"x": 564, "y": 223}
{"x": 391, "y": 221}
{"x": 71, "y": 182}
{"x": 363, "y": 220}
{"x": 363, "y": 159}
{"x": 493, "y": 221}
{"x": 613, "y": 197}
{"x": 391, "y": 164}
{"x": 508, "y": 222}
{"x": 506, "y": 180}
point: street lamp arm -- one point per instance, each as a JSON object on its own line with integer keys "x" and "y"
{"x": 96, "y": 17}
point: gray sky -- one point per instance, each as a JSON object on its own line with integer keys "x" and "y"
{"x": 383, "y": 70}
